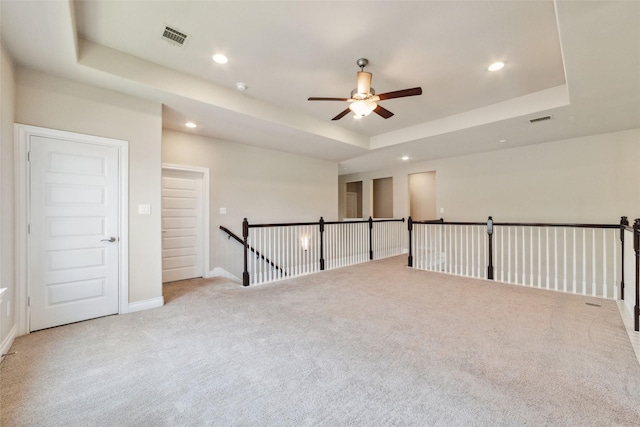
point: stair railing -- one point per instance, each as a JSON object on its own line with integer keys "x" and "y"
{"x": 309, "y": 247}
{"x": 232, "y": 235}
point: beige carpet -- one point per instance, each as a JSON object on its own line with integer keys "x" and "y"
{"x": 371, "y": 345}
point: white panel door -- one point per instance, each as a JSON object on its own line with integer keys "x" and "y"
{"x": 181, "y": 225}
{"x": 74, "y": 226}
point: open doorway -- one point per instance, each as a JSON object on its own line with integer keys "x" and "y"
{"x": 353, "y": 205}
{"x": 422, "y": 196}
{"x": 382, "y": 197}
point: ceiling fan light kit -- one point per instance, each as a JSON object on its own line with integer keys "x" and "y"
{"x": 364, "y": 100}
{"x": 363, "y": 107}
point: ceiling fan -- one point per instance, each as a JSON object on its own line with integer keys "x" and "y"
{"x": 364, "y": 100}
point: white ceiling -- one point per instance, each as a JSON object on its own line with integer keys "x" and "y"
{"x": 576, "y": 60}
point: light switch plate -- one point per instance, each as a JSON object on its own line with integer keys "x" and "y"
{"x": 144, "y": 209}
{"x": 223, "y": 211}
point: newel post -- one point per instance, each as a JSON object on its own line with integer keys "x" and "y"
{"x": 245, "y": 235}
{"x": 490, "y": 233}
{"x": 370, "y": 238}
{"x": 636, "y": 248}
{"x": 624, "y": 222}
{"x": 321, "y": 223}
{"x": 410, "y": 225}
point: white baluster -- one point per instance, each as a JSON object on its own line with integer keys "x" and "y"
{"x": 564, "y": 259}
{"x": 593, "y": 263}
{"x": 347, "y": 245}
{"x": 509, "y": 254}
{"x": 501, "y": 255}
{"x": 547, "y": 253}
{"x": 258, "y": 273}
{"x": 575, "y": 273}
{"x": 539, "y": 258}
{"x": 555, "y": 258}
{"x": 307, "y": 254}
{"x": 338, "y": 235}
{"x": 445, "y": 235}
{"x": 515, "y": 245}
{"x": 465, "y": 229}
{"x": 473, "y": 251}
{"x": 605, "y": 294}
{"x": 331, "y": 245}
{"x": 531, "y": 282}
{"x": 614, "y": 251}
{"x": 584, "y": 261}
{"x": 328, "y": 247}
{"x": 289, "y": 263}
{"x": 485, "y": 250}
{"x": 309, "y": 262}
{"x": 455, "y": 248}
{"x": 424, "y": 246}
{"x": 341, "y": 236}
{"x": 257, "y": 248}
{"x": 276, "y": 257}
{"x": 268, "y": 271}
{"x": 267, "y": 254}
{"x": 299, "y": 252}
{"x": 524, "y": 257}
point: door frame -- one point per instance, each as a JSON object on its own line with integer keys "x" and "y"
{"x": 206, "y": 241}
{"x": 22, "y": 134}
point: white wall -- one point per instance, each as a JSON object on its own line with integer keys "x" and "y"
{"x": 52, "y": 102}
{"x": 262, "y": 185}
{"x": 588, "y": 179}
{"x": 7, "y": 223}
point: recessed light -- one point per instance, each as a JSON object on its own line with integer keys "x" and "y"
{"x": 241, "y": 86}
{"x": 496, "y": 66}
{"x": 405, "y": 158}
{"x": 220, "y": 58}
{"x": 502, "y": 140}
{"x": 191, "y": 125}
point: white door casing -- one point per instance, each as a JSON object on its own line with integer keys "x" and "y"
{"x": 85, "y": 277}
{"x": 185, "y": 231}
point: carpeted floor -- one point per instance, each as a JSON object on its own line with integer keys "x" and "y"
{"x": 376, "y": 344}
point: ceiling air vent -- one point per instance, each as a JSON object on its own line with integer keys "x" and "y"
{"x": 174, "y": 36}
{"x": 540, "y": 119}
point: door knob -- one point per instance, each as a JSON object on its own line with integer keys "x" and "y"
{"x": 110, "y": 239}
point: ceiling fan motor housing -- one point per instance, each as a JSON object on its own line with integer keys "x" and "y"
{"x": 356, "y": 95}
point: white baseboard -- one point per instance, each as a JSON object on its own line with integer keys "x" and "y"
{"x": 146, "y": 304}
{"x": 221, "y": 272}
{"x": 7, "y": 342}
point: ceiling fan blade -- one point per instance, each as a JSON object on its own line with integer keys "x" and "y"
{"x": 341, "y": 115}
{"x": 313, "y": 98}
{"x": 401, "y": 93}
{"x": 364, "y": 82}
{"x": 383, "y": 112}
